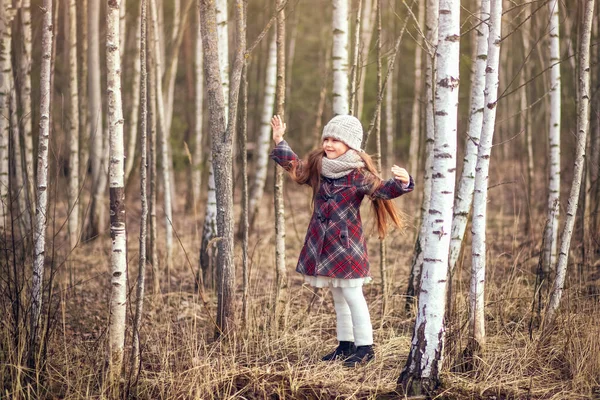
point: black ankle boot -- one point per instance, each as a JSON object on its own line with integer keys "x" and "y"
{"x": 343, "y": 351}
{"x": 362, "y": 355}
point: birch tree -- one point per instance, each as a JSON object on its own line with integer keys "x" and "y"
{"x": 553, "y": 207}
{"x": 6, "y": 16}
{"x": 583, "y": 119}
{"x": 389, "y": 124}
{"x": 354, "y": 66}
{"x": 171, "y": 67}
{"x": 179, "y": 27}
{"x": 478, "y": 253}
{"x": 141, "y": 281}
{"x": 525, "y": 119}
{"x": 198, "y": 117}
{"x": 209, "y": 230}
{"x": 118, "y": 259}
{"x": 39, "y": 233}
{"x": 340, "y": 57}
{"x": 415, "y": 122}
{"x": 73, "y": 123}
{"x": 24, "y": 77}
{"x": 366, "y": 33}
{"x": 152, "y": 196}
{"x": 244, "y": 228}
{"x": 595, "y": 159}
{"x": 422, "y": 370}
{"x": 4, "y": 183}
{"x": 18, "y": 185}
{"x": 264, "y": 138}
{"x": 96, "y": 218}
{"x": 431, "y": 36}
{"x": 382, "y": 241}
{"x": 162, "y": 142}
{"x": 133, "y": 119}
{"x": 222, "y": 147}
{"x": 84, "y": 129}
{"x": 281, "y": 274}
{"x": 466, "y": 185}
{"x": 9, "y": 126}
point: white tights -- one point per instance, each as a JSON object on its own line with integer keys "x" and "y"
{"x": 353, "y": 319}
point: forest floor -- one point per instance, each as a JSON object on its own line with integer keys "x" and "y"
{"x": 268, "y": 359}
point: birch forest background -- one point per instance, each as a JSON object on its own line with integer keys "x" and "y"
{"x": 148, "y": 244}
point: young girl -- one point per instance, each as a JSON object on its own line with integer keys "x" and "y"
{"x": 334, "y": 254}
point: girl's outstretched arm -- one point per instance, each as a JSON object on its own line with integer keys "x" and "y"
{"x": 388, "y": 189}
{"x": 278, "y": 127}
{"x": 283, "y": 154}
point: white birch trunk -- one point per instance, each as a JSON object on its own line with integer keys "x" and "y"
{"x": 551, "y": 232}
{"x": 281, "y": 273}
{"x": 73, "y": 125}
{"x": 525, "y": 118}
{"x": 171, "y": 72}
{"x": 478, "y": 260}
{"x": 367, "y": 23}
{"x": 223, "y": 37}
{"x": 264, "y": 138}
{"x": 84, "y": 128}
{"x": 354, "y": 66}
{"x": 19, "y": 186}
{"x": 141, "y": 281}
{"x": 244, "y": 226}
{"x": 152, "y": 154}
{"x": 24, "y": 76}
{"x": 198, "y": 114}
{"x": 583, "y": 119}
{"x": 340, "y": 57}
{"x": 135, "y": 104}
{"x": 97, "y": 148}
{"x": 6, "y": 16}
{"x": 415, "y": 124}
{"x": 39, "y": 233}
{"x": 163, "y": 137}
{"x": 389, "y": 124}
{"x": 378, "y": 139}
{"x": 431, "y": 26}
{"x": 118, "y": 259}
{"x": 209, "y": 229}
{"x": 464, "y": 194}
{"x": 422, "y": 369}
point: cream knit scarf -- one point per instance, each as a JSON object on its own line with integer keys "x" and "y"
{"x": 341, "y": 166}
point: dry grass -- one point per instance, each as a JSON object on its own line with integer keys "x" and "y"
{"x": 180, "y": 359}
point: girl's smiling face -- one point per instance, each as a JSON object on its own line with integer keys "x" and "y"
{"x": 334, "y": 148}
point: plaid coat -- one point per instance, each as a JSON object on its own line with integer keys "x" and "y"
{"x": 335, "y": 245}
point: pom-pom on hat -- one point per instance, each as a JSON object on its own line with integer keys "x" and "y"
{"x": 346, "y": 128}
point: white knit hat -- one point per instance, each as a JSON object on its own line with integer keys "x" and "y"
{"x": 346, "y": 128}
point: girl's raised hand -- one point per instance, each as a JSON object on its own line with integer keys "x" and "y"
{"x": 401, "y": 174}
{"x": 278, "y": 128}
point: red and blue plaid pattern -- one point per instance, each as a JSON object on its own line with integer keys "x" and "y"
{"x": 335, "y": 245}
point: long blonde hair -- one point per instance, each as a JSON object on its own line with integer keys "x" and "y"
{"x": 385, "y": 210}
